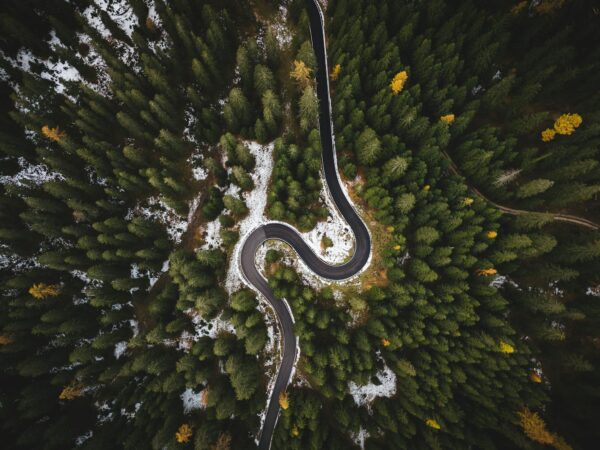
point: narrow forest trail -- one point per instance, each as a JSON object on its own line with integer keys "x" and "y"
{"x": 559, "y": 217}
{"x": 284, "y": 232}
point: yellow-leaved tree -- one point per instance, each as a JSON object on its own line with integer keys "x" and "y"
{"x": 567, "y": 123}
{"x": 505, "y": 347}
{"x": 535, "y": 429}
{"x": 486, "y": 272}
{"x": 398, "y": 82}
{"x": 283, "y": 400}
{"x": 448, "y": 118}
{"x": 432, "y": 423}
{"x": 335, "y": 73}
{"x": 184, "y": 433}
{"x": 301, "y": 73}
{"x": 42, "y": 290}
{"x": 548, "y": 134}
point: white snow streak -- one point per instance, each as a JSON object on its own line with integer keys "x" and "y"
{"x": 31, "y": 174}
{"x": 256, "y": 200}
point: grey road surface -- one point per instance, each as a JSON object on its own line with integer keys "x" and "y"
{"x": 288, "y": 234}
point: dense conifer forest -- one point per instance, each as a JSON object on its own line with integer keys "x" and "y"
{"x": 141, "y": 140}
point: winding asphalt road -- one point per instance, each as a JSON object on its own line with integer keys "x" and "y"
{"x": 286, "y": 233}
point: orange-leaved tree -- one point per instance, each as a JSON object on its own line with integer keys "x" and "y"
{"x": 54, "y": 134}
{"x": 71, "y": 391}
{"x": 42, "y": 290}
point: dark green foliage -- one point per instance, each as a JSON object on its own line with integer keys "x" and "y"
{"x": 89, "y": 209}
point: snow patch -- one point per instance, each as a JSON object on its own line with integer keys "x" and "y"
{"x": 336, "y": 229}
{"x": 122, "y": 14}
{"x": 386, "y": 387}
{"x": 280, "y": 27}
{"x": 120, "y": 348}
{"x": 79, "y": 440}
{"x": 595, "y": 291}
{"x": 256, "y": 200}
{"x": 158, "y": 210}
{"x": 360, "y": 437}
{"x": 31, "y": 174}
{"x": 191, "y": 400}
{"x": 212, "y": 238}
{"x": 16, "y": 262}
{"x": 210, "y": 328}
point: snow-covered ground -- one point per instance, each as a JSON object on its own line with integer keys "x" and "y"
{"x": 122, "y": 14}
{"x": 203, "y": 327}
{"x": 280, "y": 27}
{"x": 364, "y": 395}
{"x": 120, "y": 348}
{"x": 360, "y": 437}
{"x": 191, "y": 400}
{"x": 256, "y": 200}
{"x": 15, "y": 262}
{"x": 31, "y": 174}
{"x": 119, "y": 11}
{"x": 212, "y": 237}
{"x": 336, "y": 229}
{"x": 156, "y": 209}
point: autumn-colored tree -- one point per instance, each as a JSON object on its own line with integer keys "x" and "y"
{"x": 223, "y": 442}
{"x": 492, "y": 234}
{"x": 71, "y": 391}
{"x": 432, "y": 423}
{"x": 335, "y": 73}
{"x": 486, "y": 272}
{"x": 42, "y": 290}
{"x": 398, "y": 82}
{"x": 448, "y": 118}
{"x": 204, "y": 396}
{"x": 548, "y": 134}
{"x": 301, "y": 73}
{"x": 184, "y": 433}
{"x": 284, "y": 401}
{"x": 567, "y": 123}
{"x": 534, "y": 427}
{"x": 5, "y": 339}
{"x": 505, "y": 347}
{"x": 385, "y": 342}
{"x": 150, "y": 24}
{"x": 54, "y": 134}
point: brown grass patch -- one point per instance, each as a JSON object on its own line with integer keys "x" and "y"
{"x": 376, "y": 273}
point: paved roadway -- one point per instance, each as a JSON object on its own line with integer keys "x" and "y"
{"x": 283, "y": 232}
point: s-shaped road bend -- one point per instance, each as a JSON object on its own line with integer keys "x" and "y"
{"x": 286, "y": 233}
